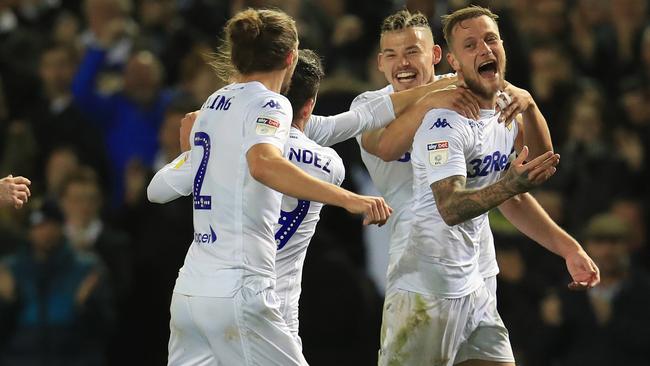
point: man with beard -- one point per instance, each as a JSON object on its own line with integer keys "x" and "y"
{"x": 440, "y": 311}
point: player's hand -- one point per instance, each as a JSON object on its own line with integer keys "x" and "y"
{"x": 456, "y": 98}
{"x": 584, "y": 272}
{"x": 511, "y": 102}
{"x": 522, "y": 175}
{"x": 14, "y": 191}
{"x": 186, "y": 128}
{"x": 374, "y": 209}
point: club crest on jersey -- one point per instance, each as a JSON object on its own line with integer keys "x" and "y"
{"x": 266, "y": 126}
{"x": 438, "y": 153}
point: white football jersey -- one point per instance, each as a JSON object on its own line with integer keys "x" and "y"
{"x": 444, "y": 260}
{"x": 234, "y": 215}
{"x": 298, "y": 219}
{"x": 394, "y": 180}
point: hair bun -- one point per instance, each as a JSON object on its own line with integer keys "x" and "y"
{"x": 246, "y": 26}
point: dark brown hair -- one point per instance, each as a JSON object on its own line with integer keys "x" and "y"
{"x": 305, "y": 80}
{"x": 449, "y": 21}
{"x": 81, "y": 175}
{"x": 255, "y": 40}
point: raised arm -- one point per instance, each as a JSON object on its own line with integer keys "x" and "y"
{"x": 391, "y": 142}
{"x": 89, "y": 100}
{"x": 458, "y": 204}
{"x": 528, "y": 216}
{"x": 533, "y": 126}
{"x": 269, "y": 167}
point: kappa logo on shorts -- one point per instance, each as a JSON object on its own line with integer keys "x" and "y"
{"x": 438, "y": 152}
{"x": 266, "y": 126}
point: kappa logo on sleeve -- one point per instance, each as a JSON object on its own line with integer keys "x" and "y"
{"x": 266, "y": 126}
{"x": 438, "y": 153}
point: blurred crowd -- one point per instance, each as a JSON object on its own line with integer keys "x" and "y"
{"x": 91, "y": 95}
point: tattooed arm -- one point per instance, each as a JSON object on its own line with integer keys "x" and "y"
{"x": 457, "y": 204}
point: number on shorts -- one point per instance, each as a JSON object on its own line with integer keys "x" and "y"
{"x": 201, "y": 202}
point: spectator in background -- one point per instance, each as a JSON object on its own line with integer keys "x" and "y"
{"x": 130, "y": 119}
{"x": 590, "y": 167}
{"x": 607, "y": 325}
{"x": 81, "y": 201}
{"x": 110, "y": 26}
{"x": 167, "y": 35}
{"x": 586, "y": 19}
{"x": 61, "y": 161}
{"x": 552, "y": 85}
{"x": 619, "y": 42}
{"x": 55, "y": 117}
{"x": 54, "y": 306}
{"x": 197, "y": 79}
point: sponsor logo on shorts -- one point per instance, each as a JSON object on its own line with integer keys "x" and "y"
{"x": 205, "y": 238}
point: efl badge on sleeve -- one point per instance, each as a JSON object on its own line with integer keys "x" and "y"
{"x": 438, "y": 152}
{"x": 266, "y": 126}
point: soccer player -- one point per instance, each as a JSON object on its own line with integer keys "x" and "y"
{"x": 224, "y": 309}
{"x": 298, "y": 218}
{"x": 14, "y": 191}
{"x": 441, "y": 312}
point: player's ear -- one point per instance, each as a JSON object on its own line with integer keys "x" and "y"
{"x": 292, "y": 57}
{"x": 307, "y": 108}
{"x": 437, "y": 54}
{"x": 453, "y": 62}
{"x": 380, "y": 64}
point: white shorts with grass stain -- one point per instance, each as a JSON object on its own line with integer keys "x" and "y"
{"x": 425, "y": 330}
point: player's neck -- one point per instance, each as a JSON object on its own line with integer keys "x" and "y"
{"x": 299, "y": 124}
{"x": 271, "y": 80}
{"x": 485, "y": 102}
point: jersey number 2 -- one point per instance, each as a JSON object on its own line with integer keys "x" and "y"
{"x": 201, "y": 202}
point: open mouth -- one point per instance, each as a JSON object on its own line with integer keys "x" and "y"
{"x": 488, "y": 69}
{"x": 406, "y": 76}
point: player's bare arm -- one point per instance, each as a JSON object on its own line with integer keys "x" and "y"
{"x": 391, "y": 142}
{"x": 269, "y": 167}
{"x": 520, "y": 104}
{"x": 529, "y": 217}
{"x": 403, "y": 99}
{"x": 457, "y": 204}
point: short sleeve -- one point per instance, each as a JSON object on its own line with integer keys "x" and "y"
{"x": 440, "y": 145}
{"x": 268, "y": 122}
